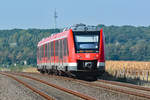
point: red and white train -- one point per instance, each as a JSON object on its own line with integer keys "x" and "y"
{"x": 77, "y": 51}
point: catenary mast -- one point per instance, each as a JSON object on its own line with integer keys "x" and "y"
{"x": 55, "y": 19}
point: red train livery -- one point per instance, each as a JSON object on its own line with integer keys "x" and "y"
{"x": 76, "y": 51}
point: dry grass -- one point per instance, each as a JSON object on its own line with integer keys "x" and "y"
{"x": 132, "y": 65}
{"x": 30, "y": 69}
{"x": 132, "y": 69}
{"x": 4, "y": 69}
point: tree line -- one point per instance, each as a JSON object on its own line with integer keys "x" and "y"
{"x": 18, "y": 46}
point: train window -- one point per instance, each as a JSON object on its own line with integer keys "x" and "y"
{"x": 67, "y": 46}
{"x": 52, "y": 48}
{"x": 48, "y": 50}
{"x": 65, "y": 49}
{"x": 62, "y": 47}
{"x": 56, "y": 48}
{"x": 42, "y": 51}
{"x": 86, "y": 41}
{"x": 45, "y": 50}
{"x": 61, "y": 50}
{"x": 39, "y": 52}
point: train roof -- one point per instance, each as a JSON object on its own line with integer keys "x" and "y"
{"x": 74, "y": 28}
{"x": 54, "y": 37}
{"x": 82, "y": 27}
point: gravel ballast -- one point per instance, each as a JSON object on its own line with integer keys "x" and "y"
{"x": 9, "y": 88}
{"x": 12, "y": 90}
{"x": 51, "y": 91}
{"x": 98, "y": 93}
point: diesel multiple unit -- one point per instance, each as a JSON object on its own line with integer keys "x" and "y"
{"x": 78, "y": 50}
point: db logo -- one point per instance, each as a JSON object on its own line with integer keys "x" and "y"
{"x": 87, "y": 56}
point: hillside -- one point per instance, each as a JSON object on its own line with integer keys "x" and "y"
{"x": 19, "y": 45}
{"x": 122, "y": 43}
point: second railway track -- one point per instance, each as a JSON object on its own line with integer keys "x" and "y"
{"x": 125, "y": 88}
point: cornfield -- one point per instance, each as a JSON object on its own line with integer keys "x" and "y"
{"x": 132, "y": 69}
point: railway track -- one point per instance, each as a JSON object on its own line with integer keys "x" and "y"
{"x": 46, "y": 83}
{"x": 125, "y": 88}
{"x": 28, "y": 86}
{"x": 125, "y": 85}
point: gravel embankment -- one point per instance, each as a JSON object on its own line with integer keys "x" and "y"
{"x": 53, "y": 92}
{"x": 12, "y": 90}
{"x": 98, "y": 93}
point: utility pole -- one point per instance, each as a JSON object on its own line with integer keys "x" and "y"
{"x": 55, "y": 19}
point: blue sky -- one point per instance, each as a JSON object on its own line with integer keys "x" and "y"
{"x": 39, "y": 13}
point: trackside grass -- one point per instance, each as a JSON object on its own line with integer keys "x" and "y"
{"x": 19, "y": 68}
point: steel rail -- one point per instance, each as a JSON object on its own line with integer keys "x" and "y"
{"x": 28, "y": 86}
{"x": 135, "y": 93}
{"x": 125, "y": 85}
{"x": 83, "y": 96}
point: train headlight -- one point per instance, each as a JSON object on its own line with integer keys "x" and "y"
{"x": 95, "y": 57}
{"x": 79, "y": 57}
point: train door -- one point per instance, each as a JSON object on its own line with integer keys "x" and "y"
{"x": 56, "y": 53}
{"x": 43, "y": 54}
{"x": 52, "y": 53}
{"x": 62, "y": 43}
{"x": 46, "y": 54}
{"x": 60, "y": 53}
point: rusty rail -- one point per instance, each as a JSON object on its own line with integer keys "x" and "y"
{"x": 58, "y": 87}
{"x": 112, "y": 88}
{"x": 125, "y": 85}
{"x": 109, "y": 87}
{"x": 30, "y": 87}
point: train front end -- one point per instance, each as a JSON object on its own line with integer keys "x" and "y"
{"x": 89, "y": 52}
